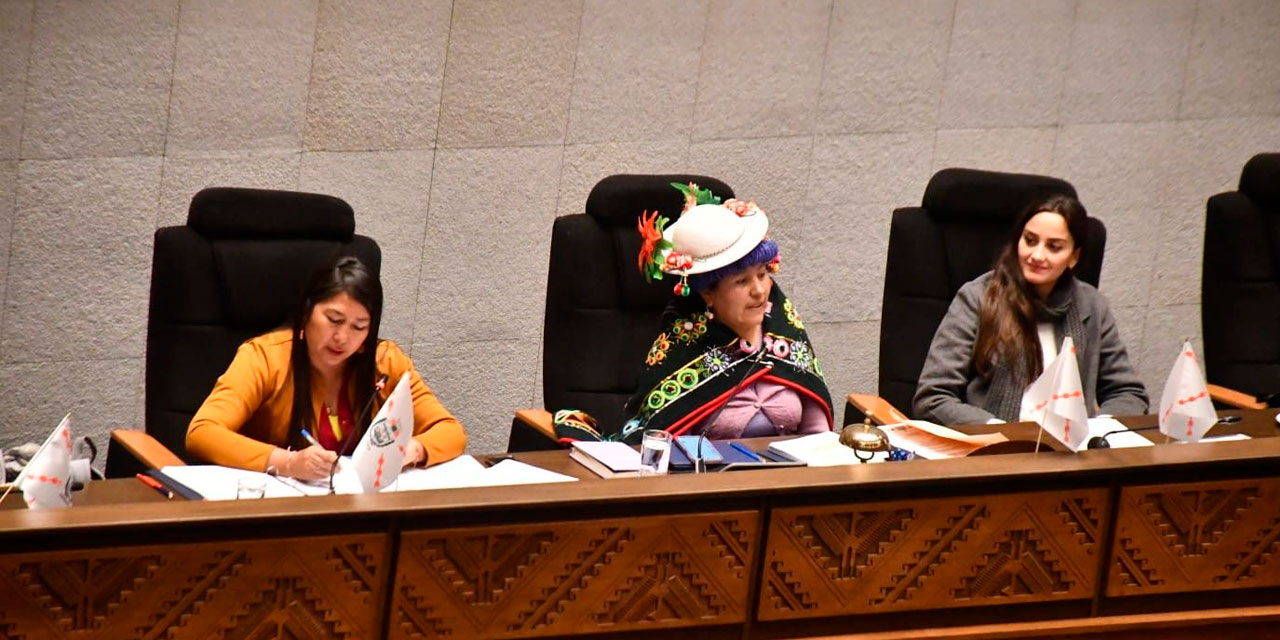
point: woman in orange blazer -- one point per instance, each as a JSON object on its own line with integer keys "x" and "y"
{"x": 253, "y": 419}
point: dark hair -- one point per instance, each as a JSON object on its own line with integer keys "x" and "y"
{"x": 761, "y": 254}
{"x": 343, "y": 274}
{"x": 1007, "y": 319}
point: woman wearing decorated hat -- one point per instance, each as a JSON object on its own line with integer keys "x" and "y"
{"x": 731, "y": 358}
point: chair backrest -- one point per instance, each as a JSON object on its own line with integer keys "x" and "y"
{"x": 601, "y": 315}
{"x": 235, "y": 270}
{"x": 1240, "y": 283}
{"x": 952, "y": 238}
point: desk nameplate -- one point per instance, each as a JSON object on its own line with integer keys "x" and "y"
{"x": 1204, "y": 536}
{"x": 562, "y": 578}
{"x": 875, "y": 557}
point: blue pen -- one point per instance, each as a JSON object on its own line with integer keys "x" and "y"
{"x": 307, "y": 434}
{"x": 742, "y": 448}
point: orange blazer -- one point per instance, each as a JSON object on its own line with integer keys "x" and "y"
{"x": 247, "y": 413}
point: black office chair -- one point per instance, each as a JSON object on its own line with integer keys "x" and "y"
{"x": 1240, "y": 288}
{"x": 601, "y": 316}
{"x": 952, "y": 238}
{"x": 235, "y": 270}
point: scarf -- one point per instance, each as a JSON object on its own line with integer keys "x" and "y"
{"x": 1009, "y": 383}
{"x": 695, "y": 363}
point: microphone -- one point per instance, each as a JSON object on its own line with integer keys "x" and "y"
{"x": 700, "y": 465}
{"x": 377, "y": 386}
{"x": 1100, "y": 442}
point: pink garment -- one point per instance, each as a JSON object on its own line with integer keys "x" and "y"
{"x": 787, "y": 410}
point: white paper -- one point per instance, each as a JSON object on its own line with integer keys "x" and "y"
{"x": 219, "y": 483}
{"x": 1126, "y": 439}
{"x": 822, "y": 450}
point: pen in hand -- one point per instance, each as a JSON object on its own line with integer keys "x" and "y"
{"x": 307, "y": 434}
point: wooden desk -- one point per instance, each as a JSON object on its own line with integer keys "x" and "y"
{"x": 1025, "y": 542}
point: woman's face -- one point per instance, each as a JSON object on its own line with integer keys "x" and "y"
{"x": 739, "y": 300}
{"x": 336, "y": 330}
{"x": 1045, "y": 250}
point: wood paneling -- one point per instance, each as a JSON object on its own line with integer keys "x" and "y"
{"x": 932, "y": 553}
{"x": 575, "y": 577}
{"x": 1204, "y": 536}
{"x": 315, "y": 588}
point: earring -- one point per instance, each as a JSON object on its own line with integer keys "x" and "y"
{"x": 302, "y": 334}
{"x": 711, "y": 315}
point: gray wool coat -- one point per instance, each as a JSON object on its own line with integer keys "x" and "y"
{"x": 951, "y": 392}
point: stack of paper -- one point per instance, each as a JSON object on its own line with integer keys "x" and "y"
{"x": 607, "y": 459}
{"x": 821, "y": 450}
{"x": 219, "y": 483}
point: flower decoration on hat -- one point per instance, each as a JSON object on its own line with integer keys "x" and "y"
{"x": 651, "y": 259}
{"x": 694, "y": 196}
{"x": 708, "y": 235}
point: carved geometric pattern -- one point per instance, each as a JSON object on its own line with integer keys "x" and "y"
{"x": 356, "y": 562}
{"x": 783, "y": 591}
{"x": 79, "y": 595}
{"x": 1196, "y": 537}
{"x": 1192, "y": 521}
{"x": 1021, "y": 565}
{"x": 482, "y": 568}
{"x": 562, "y": 578}
{"x": 931, "y": 553}
{"x": 415, "y": 618}
{"x": 668, "y": 587}
{"x": 550, "y": 602}
{"x": 273, "y": 588}
{"x": 935, "y": 551}
{"x": 1256, "y": 554}
{"x": 847, "y": 543}
{"x": 286, "y": 608}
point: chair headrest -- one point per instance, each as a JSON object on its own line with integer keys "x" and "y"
{"x": 970, "y": 193}
{"x": 264, "y": 213}
{"x": 1260, "y": 179}
{"x": 618, "y": 200}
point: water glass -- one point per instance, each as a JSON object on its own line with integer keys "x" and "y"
{"x": 655, "y": 452}
{"x": 250, "y": 488}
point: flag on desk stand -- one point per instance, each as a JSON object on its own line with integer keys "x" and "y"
{"x": 46, "y": 480}
{"x": 1186, "y": 412}
{"x": 380, "y": 454}
{"x": 1056, "y": 399}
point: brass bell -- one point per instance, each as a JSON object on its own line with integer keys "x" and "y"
{"x": 864, "y": 438}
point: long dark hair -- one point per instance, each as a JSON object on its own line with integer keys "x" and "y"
{"x": 343, "y": 274}
{"x": 1007, "y": 319}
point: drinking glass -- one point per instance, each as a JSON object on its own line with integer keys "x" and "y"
{"x": 250, "y": 488}
{"x": 655, "y": 452}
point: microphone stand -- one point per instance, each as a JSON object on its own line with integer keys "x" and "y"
{"x": 1100, "y": 442}
{"x": 699, "y": 464}
{"x": 377, "y": 386}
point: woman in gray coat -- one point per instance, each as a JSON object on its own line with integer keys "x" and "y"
{"x": 1004, "y": 326}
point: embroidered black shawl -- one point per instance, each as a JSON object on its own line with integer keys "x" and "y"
{"x": 695, "y": 363}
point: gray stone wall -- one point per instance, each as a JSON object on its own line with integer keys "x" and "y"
{"x": 459, "y": 130}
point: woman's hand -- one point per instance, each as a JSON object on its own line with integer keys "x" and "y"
{"x": 312, "y": 463}
{"x": 415, "y": 455}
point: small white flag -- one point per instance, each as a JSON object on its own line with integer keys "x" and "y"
{"x": 46, "y": 480}
{"x": 1186, "y": 411}
{"x": 1056, "y": 399}
{"x": 381, "y": 451}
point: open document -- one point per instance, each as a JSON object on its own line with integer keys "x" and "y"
{"x": 934, "y": 442}
{"x": 220, "y": 483}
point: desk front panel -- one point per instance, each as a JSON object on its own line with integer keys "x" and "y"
{"x": 322, "y": 587}
{"x": 932, "y": 553}
{"x": 571, "y": 577}
{"x": 1203, "y": 536}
